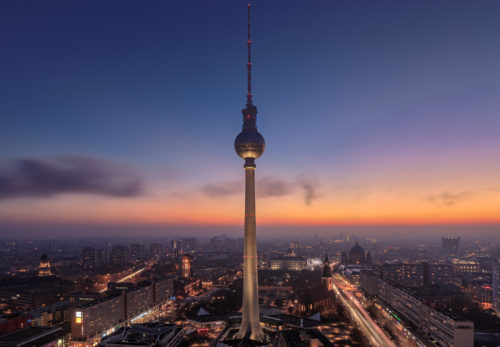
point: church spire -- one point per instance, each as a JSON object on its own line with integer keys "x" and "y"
{"x": 327, "y": 279}
{"x": 326, "y": 267}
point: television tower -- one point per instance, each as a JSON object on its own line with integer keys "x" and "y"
{"x": 249, "y": 145}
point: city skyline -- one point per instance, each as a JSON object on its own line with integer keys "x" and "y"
{"x": 106, "y": 122}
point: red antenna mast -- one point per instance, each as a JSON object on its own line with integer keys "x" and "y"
{"x": 249, "y": 63}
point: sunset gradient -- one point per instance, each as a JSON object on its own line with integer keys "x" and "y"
{"x": 376, "y": 114}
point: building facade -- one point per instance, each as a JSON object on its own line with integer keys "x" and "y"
{"x": 447, "y": 329}
{"x": 288, "y": 263}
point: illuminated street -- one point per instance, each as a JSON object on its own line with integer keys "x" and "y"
{"x": 125, "y": 278}
{"x": 368, "y": 326}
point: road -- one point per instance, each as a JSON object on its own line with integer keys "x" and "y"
{"x": 368, "y": 326}
{"x": 125, "y": 278}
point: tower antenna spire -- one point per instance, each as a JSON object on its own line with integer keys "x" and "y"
{"x": 249, "y": 145}
{"x": 249, "y": 63}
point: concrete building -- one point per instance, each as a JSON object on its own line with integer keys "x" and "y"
{"x": 44, "y": 269}
{"x": 90, "y": 321}
{"x": 163, "y": 289}
{"x": 138, "y": 300}
{"x": 137, "y": 253}
{"x": 464, "y": 266}
{"x": 417, "y": 274}
{"x": 156, "y": 250}
{"x": 368, "y": 281}
{"x": 125, "y": 303}
{"x": 120, "y": 255}
{"x": 450, "y": 244}
{"x": 93, "y": 258}
{"x": 295, "y": 338}
{"x": 495, "y": 284}
{"x": 186, "y": 266}
{"x": 53, "y": 315}
{"x": 140, "y": 335}
{"x": 83, "y": 297}
{"x": 118, "y": 288}
{"x": 288, "y": 263}
{"x": 444, "y": 327}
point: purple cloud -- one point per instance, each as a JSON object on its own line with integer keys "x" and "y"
{"x": 30, "y": 177}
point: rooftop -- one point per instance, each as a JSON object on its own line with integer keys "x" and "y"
{"x": 31, "y": 334}
{"x": 98, "y": 301}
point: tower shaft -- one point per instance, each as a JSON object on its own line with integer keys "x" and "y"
{"x": 250, "y": 316}
{"x": 249, "y": 145}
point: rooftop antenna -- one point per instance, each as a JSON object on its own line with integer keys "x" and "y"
{"x": 249, "y": 63}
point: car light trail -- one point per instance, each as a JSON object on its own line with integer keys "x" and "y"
{"x": 123, "y": 279}
{"x": 369, "y": 327}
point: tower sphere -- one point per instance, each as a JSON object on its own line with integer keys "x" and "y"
{"x": 249, "y": 144}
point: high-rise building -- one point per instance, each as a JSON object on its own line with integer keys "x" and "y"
{"x": 249, "y": 145}
{"x": 88, "y": 257}
{"x": 186, "y": 269}
{"x": 119, "y": 255}
{"x": 156, "y": 250}
{"x": 138, "y": 300}
{"x": 417, "y": 274}
{"x": 93, "y": 258}
{"x": 495, "y": 284}
{"x": 177, "y": 247}
{"x": 450, "y": 244}
{"x": 94, "y": 318}
{"x": 136, "y": 253}
{"x": 440, "y": 325}
{"x": 190, "y": 243}
{"x": 125, "y": 302}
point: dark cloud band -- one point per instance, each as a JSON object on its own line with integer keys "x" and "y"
{"x": 269, "y": 186}
{"x": 67, "y": 174}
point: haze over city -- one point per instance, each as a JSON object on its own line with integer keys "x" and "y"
{"x": 376, "y": 114}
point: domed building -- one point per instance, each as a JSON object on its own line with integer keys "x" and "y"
{"x": 357, "y": 255}
{"x": 44, "y": 267}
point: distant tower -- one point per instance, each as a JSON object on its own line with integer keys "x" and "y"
{"x": 44, "y": 267}
{"x": 177, "y": 246}
{"x": 249, "y": 145}
{"x": 186, "y": 269}
{"x": 327, "y": 279}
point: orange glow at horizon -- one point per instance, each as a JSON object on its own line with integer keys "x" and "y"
{"x": 377, "y": 208}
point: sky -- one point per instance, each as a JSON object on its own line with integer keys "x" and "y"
{"x": 119, "y": 117}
